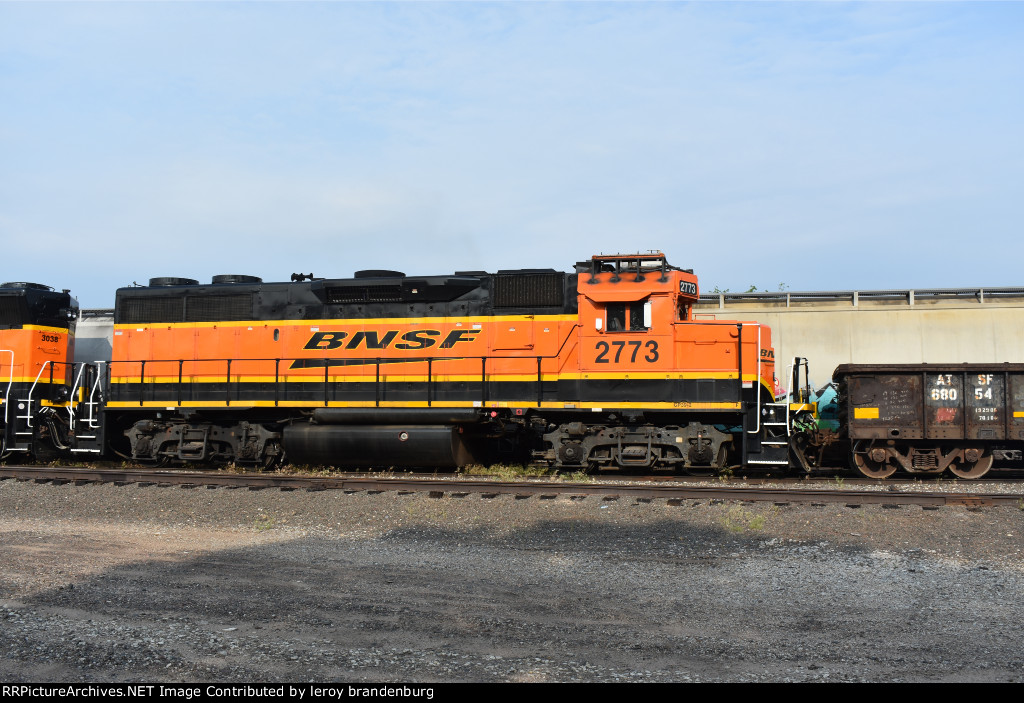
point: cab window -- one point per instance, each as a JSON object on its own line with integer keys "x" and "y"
{"x": 628, "y": 317}
{"x": 617, "y": 317}
{"x": 636, "y": 316}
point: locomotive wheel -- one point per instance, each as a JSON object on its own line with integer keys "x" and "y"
{"x": 872, "y": 467}
{"x": 271, "y": 458}
{"x": 975, "y": 469}
{"x": 723, "y": 457}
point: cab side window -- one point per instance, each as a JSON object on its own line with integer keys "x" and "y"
{"x": 616, "y": 317}
{"x": 627, "y": 317}
{"x": 636, "y": 317}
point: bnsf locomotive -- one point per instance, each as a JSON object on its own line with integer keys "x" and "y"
{"x": 606, "y": 367}
{"x": 37, "y": 327}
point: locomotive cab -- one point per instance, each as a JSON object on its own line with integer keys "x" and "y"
{"x": 37, "y": 373}
{"x": 665, "y": 391}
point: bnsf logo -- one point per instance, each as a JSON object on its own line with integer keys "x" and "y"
{"x": 768, "y": 354}
{"x": 416, "y": 339}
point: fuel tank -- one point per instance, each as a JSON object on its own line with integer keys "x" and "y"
{"x": 377, "y": 446}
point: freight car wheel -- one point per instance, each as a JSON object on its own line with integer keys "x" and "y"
{"x": 873, "y": 462}
{"x": 972, "y": 469}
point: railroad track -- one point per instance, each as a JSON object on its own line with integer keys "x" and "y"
{"x": 444, "y": 486}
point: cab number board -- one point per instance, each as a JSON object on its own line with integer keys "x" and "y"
{"x": 650, "y": 351}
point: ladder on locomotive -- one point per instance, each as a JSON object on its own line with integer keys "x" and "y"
{"x": 775, "y": 438}
{"x": 773, "y": 432}
{"x": 12, "y": 428}
{"x": 24, "y": 428}
{"x": 778, "y": 433}
{"x": 83, "y": 417}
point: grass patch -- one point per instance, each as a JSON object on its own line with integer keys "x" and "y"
{"x": 263, "y": 523}
{"x": 507, "y": 472}
{"x": 305, "y": 470}
{"x": 738, "y": 520}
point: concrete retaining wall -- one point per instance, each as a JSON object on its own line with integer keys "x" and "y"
{"x": 871, "y": 327}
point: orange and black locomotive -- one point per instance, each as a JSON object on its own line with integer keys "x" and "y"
{"x": 604, "y": 367}
{"x": 42, "y": 391}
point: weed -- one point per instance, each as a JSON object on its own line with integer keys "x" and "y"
{"x": 839, "y": 481}
{"x": 506, "y": 472}
{"x": 306, "y": 470}
{"x": 263, "y": 523}
{"x": 738, "y": 520}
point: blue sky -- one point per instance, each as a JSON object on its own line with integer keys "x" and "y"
{"x": 820, "y": 145}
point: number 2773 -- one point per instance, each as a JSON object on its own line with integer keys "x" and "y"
{"x": 650, "y": 351}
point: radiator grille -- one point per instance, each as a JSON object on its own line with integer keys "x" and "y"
{"x": 214, "y": 308}
{"x": 134, "y": 311}
{"x": 529, "y": 290}
{"x": 364, "y": 294}
{"x": 12, "y": 312}
{"x": 207, "y": 308}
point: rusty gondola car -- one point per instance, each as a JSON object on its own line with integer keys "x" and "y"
{"x": 930, "y": 418}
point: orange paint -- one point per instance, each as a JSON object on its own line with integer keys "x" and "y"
{"x": 624, "y": 328}
{"x": 32, "y": 348}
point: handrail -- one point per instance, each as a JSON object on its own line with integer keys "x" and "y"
{"x": 910, "y": 295}
{"x": 792, "y": 391}
{"x": 757, "y": 375}
{"x": 71, "y": 397}
{"x": 10, "y": 382}
{"x": 96, "y": 384}
{"x": 32, "y": 389}
{"x": 379, "y": 379}
{"x": 376, "y": 362}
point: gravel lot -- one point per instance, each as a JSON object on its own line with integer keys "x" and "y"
{"x": 101, "y": 583}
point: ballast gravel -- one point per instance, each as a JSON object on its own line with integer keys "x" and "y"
{"x": 106, "y": 583}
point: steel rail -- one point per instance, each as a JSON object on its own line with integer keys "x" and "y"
{"x": 439, "y": 487}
